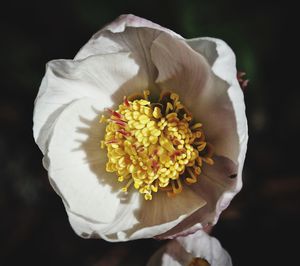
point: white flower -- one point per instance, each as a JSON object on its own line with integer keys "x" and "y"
{"x": 193, "y": 250}
{"x": 129, "y": 56}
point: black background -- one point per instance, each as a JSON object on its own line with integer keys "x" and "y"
{"x": 261, "y": 225}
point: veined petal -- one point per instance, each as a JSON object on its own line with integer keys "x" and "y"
{"x": 106, "y": 78}
{"x": 183, "y": 250}
{"x": 206, "y": 94}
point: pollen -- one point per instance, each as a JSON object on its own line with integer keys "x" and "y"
{"x": 154, "y": 146}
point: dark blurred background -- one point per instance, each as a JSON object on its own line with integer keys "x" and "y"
{"x": 261, "y": 225}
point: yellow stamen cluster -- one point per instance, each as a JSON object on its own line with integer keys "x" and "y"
{"x": 153, "y": 146}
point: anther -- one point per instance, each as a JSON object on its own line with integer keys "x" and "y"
{"x": 193, "y": 178}
{"x": 124, "y": 189}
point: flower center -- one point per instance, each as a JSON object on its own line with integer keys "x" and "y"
{"x": 154, "y": 145}
{"x": 198, "y": 262}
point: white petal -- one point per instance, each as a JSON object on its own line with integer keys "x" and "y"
{"x": 117, "y": 36}
{"x": 117, "y": 229}
{"x": 128, "y": 223}
{"x": 105, "y": 78}
{"x": 205, "y": 47}
{"x": 222, "y": 59}
{"x": 133, "y": 40}
{"x": 210, "y": 97}
{"x": 76, "y": 164}
{"x": 130, "y": 20}
{"x": 136, "y": 219}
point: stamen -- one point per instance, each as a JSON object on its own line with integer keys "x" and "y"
{"x": 193, "y": 178}
{"x": 119, "y": 122}
{"x": 124, "y": 189}
{"x": 126, "y": 102}
{"x": 146, "y": 94}
{"x": 178, "y": 107}
{"x": 169, "y": 107}
{"x": 155, "y": 186}
{"x": 196, "y": 126}
{"x": 124, "y": 132}
{"x": 201, "y": 146}
{"x": 114, "y": 113}
{"x": 111, "y": 141}
{"x": 176, "y": 186}
{"x": 208, "y": 160}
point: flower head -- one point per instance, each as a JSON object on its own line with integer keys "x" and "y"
{"x": 168, "y": 153}
{"x": 198, "y": 249}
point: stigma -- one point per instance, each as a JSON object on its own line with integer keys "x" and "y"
{"x": 154, "y": 145}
